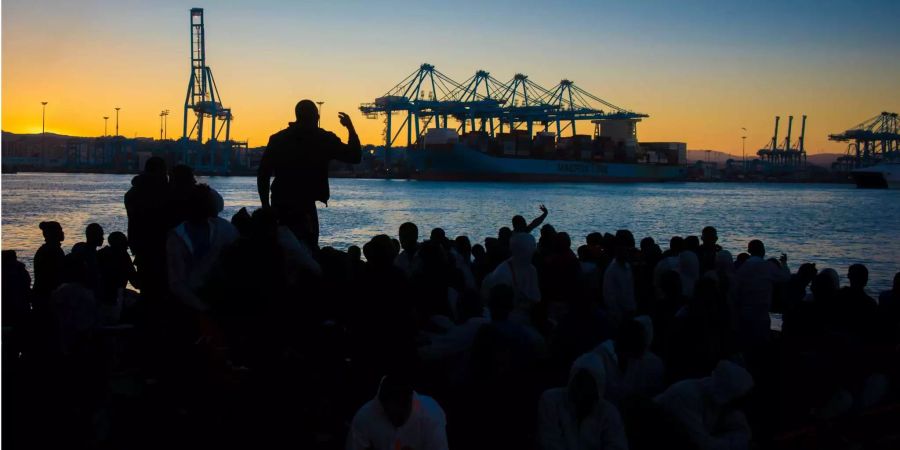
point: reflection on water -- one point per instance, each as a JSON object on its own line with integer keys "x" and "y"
{"x": 832, "y": 225}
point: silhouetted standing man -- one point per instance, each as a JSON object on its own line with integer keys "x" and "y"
{"x": 298, "y": 158}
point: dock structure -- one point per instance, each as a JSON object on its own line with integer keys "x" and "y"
{"x": 790, "y": 155}
{"x": 872, "y": 141}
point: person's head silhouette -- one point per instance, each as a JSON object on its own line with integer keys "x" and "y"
{"x": 93, "y": 235}
{"x": 395, "y": 394}
{"x": 52, "y": 231}
{"x": 709, "y": 236}
{"x": 756, "y": 248}
{"x": 118, "y": 240}
{"x": 155, "y": 166}
{"x": 858, "y": 275}
{"x": 307, "y": 114}
{"x": 519, "y": 224}
{"x": 409, "y": 236}
{"x": 183, "y": 176}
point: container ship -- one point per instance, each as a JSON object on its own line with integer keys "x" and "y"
{"x": 509, "y": 135}
{"x": 612, "y": 154}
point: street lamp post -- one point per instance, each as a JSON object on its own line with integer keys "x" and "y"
{"x": 43, "y": 131}
{"x": 166, "y": 124}
{"x": 320, "y": 112}
{"x": 117, "y": 120}
{"x": 744, "y": 149}
{"x": 105, "y": 122}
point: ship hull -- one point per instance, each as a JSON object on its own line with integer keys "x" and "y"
{"x": 881, "y": 176}
{"x": 463, "y": 163}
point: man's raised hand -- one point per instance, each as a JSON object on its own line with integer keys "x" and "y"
{"x": 345, "y": 120}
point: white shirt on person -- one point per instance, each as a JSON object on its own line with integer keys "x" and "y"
{"x": 425, "y": 429}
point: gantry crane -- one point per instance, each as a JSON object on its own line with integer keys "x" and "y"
{"x": 428, "y": 96}
{"x": 202, "y": 97}
{"x": 871, "y": 141}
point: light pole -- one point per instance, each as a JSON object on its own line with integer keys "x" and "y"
{"x": 105, "y": 121}
{"x": 744, "y": 147}
{"x": 43, "y": 116}
{"x": 166, "y": 124}
{"x": 320, "y": 112}
{"x": 43, "y": 131}
{"x": 161, "y": 115}
{"x": 117, "y": 120}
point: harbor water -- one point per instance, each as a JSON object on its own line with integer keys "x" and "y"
{"x": 831, "y": 225}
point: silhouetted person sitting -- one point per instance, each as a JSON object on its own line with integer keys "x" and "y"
{"x": 858, "y": 309}
{"x": 519, "y": 225}
{"x": 49, "y": 262}
{"x": 16, "y": 287}
{"x": 298, "y": 158}
{"x": 707, "y": 407}
{"x": 889, "y": 311}
{"x": 398, "y": 418}
{"x": 75, "y": 308}
{"x": 409, "y": 242}
{"x": 708, "y": 249}
{"x": 147, "y": 205}
{"x": 631, "y": 369}
{"x": 577, "y": 416}
{"x": 181, "y": 181}
{"x": 796, "y": 289}
{"x": 194, "y": 246}
{"x": 116, "y": 267}
{"x": 518, "y": 273}
{"x": 87, "y": 252}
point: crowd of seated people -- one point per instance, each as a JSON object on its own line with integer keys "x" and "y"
{"x": 242, "y": 336}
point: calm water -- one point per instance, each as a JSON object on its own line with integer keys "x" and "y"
{"x": 832, "y": 225}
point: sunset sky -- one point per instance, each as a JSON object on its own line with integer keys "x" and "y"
{"x": 702, "y": 70}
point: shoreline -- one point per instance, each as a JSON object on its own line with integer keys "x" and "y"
{"x": 835, "y": 179}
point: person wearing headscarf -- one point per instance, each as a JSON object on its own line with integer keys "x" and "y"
{"x": 577, "y": 417}
{"x": 706, "y": 407}
{"x": 398, "y": 418}
{"x": 517, "y": 272}
{"x": 631, "y": 368}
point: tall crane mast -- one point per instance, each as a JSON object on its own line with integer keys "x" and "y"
{"x": 202, "y": 94}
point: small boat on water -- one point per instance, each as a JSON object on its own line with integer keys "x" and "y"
{"x": 884, "y": 175}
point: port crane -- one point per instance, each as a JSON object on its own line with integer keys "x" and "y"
{"x": 202, "y": 99}
{"x": 871, "y": 141}
{"x": 790, "y": 154}
{"x": 483, "y": 103}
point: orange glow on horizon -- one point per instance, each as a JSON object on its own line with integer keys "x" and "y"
{"x": 103, "y": 55}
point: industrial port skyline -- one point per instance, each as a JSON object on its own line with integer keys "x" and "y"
{"x": 696, "y": 70}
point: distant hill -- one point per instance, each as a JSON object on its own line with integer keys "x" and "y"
{"x": 817, "y": 159}
{"x": 711, "y": 156}
{"x": 823, "y": 159}
{"x": 10, "y": 134}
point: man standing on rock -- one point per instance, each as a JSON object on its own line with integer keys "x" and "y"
{"x": 298, "y": 158}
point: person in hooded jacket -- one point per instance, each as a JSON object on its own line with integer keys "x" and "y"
{"x": 577, "y": 417}
{"x": 706, "y": 407}
{"x": 194, "y": 246}
{"x": 518, "y": 273}
{"x": 755, "y": 280}
{"x": 398, "y": 418}
{"x": 618, "y": 288}
{"x": 298, "y": 158}
{"x": 631, "y": 368}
